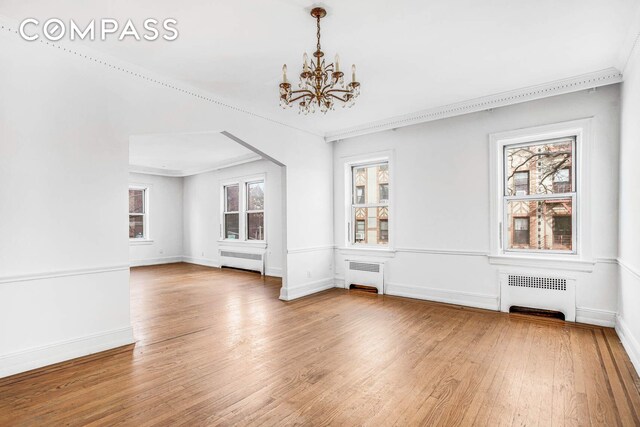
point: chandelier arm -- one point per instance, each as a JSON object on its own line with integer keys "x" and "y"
{"x": 338, "y": 90}
{"x": 337, "y": 97}
{"x": 301, "y": 96}
{"x": 302, "y": 91}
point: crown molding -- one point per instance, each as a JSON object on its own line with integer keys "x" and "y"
{"x": 558, "y": 87}
{"x": 8, "y": 26}
{"x": 173, "y": 173}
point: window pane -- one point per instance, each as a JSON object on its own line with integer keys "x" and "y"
{"x": 255, "y": 196}
{"x": 136, "y": 226}
{"x": 136, "y": 201}
{"x": 371, "y": 225}
{"x": 368, "y": 182}
{"x": 232, "y": 226}
{"x": 540, "y": 224}
{"x": 232, "y": 198}
{"x": 255, "y": 226}
{"x": 547, "y": 168}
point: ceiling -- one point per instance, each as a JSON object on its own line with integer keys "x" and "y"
{"x": 411, "y": 55}
{"x": 185, "y": 154}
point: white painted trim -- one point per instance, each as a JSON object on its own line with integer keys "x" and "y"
{"x": 470, "y": 299}
{"x": 629, "y": 342}
{"x": 202, "y": 261}
{"x": 517, "y": 96}
{"x": 630, "y": 269}
{"x": 543, "y": 263}
{"x": 310, "y": 249}
{"x": 79, "y": 51}
{"x": 155, "y": 261}
{"x": 63, "y": 273}
{"x": 442, "y": 251}
{"x": 274, "y": 272}
{"x": 593, "y": 316}
{"x": 140, "y": 242}
{"x": 299, "y": 291}
{"x": 367, "y": 252}
{"x": 26, "y": 360}
{"x": 173, "y": 173}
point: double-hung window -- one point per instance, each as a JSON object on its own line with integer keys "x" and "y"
{"x": 138, "y": 213}
{"x": 243, "y": 210}
{"x": 369, "y": 224}
{"x": 539, "y": 197}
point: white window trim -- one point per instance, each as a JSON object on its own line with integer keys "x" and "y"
{"x": 581, "y": 258}
{"x": 242, "y": 222}
{"x": 349, "y": 162}
{"x": 146, "y": 240}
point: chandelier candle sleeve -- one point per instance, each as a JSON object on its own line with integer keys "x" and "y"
{"x": 320, "y": 84}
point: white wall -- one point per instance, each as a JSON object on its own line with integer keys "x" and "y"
{"x": 202, "y": 217}
{"x": 442, "y": 201}
{"x": 164, "y": 244}
{"x": 628, "y": 326}
{"x": 65, "y": 122}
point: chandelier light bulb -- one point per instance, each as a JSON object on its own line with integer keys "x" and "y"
{"x": 337, "y": 61}
{"x": 284, "y": 73}
{"x": 353, "y": 73}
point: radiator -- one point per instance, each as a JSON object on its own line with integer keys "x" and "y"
{"x": 364, "y": 273}
{"x": 241, "y": 259}
{"x": 541, "y": 292}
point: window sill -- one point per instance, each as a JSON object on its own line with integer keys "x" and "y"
{"x": 560, "y": 263}
{"x": 368, "y": 251}
{"x": 136, "y": 242}
{"x": 261, "y": 244}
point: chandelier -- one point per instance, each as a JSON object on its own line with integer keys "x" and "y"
{"x": 320, "y": 84}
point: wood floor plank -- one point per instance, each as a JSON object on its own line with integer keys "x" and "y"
{"x": 217, "y": 347}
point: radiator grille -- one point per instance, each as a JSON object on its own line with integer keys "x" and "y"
{"x": 242, "y": 255}
{"x": 363, "y": 266}
{"x": 538, "y": 282}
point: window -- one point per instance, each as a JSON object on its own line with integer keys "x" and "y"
{"x": 232, "y": 212}
{"x": 137, "y": 213}
{"x": 521, "y": 181}
{"x": 243, "y": 210}
{"x": 540, "y": 195}
{"x": 370, "y": 204}
{"x": 521, "y": 231}
{"x": 255, "y": 210}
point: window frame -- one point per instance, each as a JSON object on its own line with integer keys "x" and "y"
{"x": 540, "y": 197}
{"x": 580, "y": 258}
{"x": 349, "y": 193}
{"x": 226, "y": 212}
{"x": 145, "y": 215}
{"x": 243, "y": 223}
{"x": 250, "y": 211}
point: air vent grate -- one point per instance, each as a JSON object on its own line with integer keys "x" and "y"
{"x": 363, "y": 266}
{"x": 538, "y": 282}
{"x": 241, "y": 255}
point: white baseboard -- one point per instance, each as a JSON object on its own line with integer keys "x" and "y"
{"x": 629, "y": 342}
{"x": 275, "y": 272}
{"x": 305, "y": 289}
{"x": 38, "y": 357}
{"x": 201, "y": 261}
{"x": 489, "y": 302}
{"x": 155, "y": 261}
{"x": 594, "y": 316}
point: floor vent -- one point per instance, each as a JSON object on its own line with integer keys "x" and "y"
{"x": 536, "y": 312}
{"x": 243, "y": 260}
{"x": 370, "y": 274}
{"x": 538, "y": 293}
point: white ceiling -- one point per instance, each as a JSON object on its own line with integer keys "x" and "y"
{"x": 411, "y": 54}
{"x": 185, "y": 154}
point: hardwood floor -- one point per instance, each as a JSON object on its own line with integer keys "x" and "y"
{"x": 217, "y": 347}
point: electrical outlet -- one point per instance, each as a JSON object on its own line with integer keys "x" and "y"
{"x": 202, "y": 253}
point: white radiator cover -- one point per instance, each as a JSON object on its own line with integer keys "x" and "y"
{"x": 245, "y": 259}
{"x": 367, "y": 273}
{"x": 542, "y": 291}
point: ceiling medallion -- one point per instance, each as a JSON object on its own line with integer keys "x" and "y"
{"x": 320, "y": 84}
